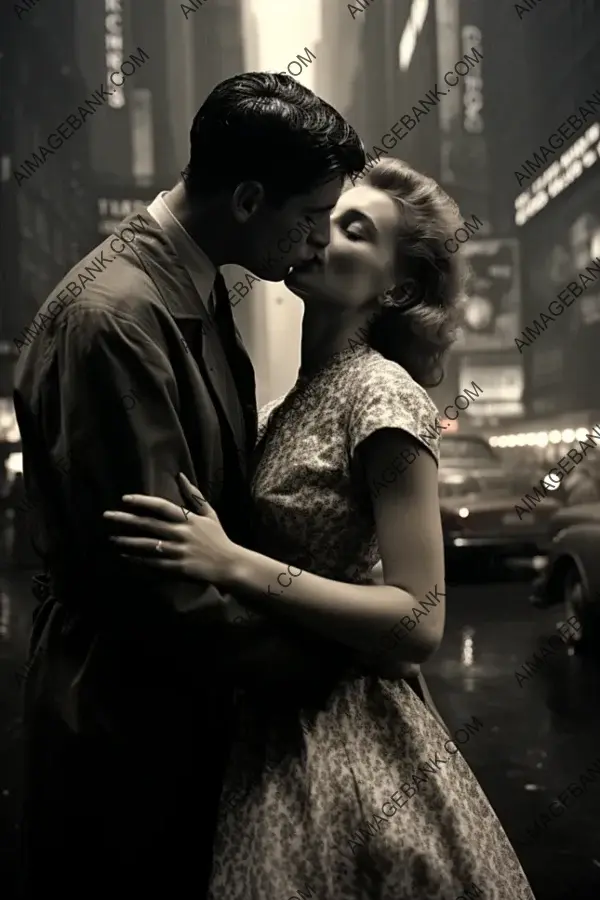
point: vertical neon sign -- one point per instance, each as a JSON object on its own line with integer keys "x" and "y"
{"x": 113, "y": 47}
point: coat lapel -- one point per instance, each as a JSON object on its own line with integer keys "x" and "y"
{"x": 247, "y": 390}
{"x": 217, "y": 371}
{"x": 180, "y": 297}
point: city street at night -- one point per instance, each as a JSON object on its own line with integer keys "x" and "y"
{"x": 539, "y": 735}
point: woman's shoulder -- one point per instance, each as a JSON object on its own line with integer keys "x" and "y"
{"x": 385, "y": 395}
{"x": 376, "y": 374}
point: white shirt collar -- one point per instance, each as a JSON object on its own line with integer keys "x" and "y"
{"x": 199, "y": 267}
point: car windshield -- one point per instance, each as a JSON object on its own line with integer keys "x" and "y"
{"x": 467, "y": 448}
{"x": 457, "y": 487}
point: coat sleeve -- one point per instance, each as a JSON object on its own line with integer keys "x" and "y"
{"x": 121, "y": 433}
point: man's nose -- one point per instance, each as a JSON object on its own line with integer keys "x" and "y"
{"x": 321, "y": 237}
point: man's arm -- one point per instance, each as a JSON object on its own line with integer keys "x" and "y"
{"x": 120, "y": 430}
{"x": 121, "y": 433}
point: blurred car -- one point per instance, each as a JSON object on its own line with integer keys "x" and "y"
{"x": 582, "y": 484}
{"x": 472, "y": 454}
{"x": 11, "y": 465}
{"x": 10, "y": 440}
{"x": 572, "y": 576}
{"x": 478, "y": 495}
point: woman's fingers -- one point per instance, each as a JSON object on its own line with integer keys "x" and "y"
{"x": 155, "y": 506}
{"x": 190, "y": 494}
{"x": 153, "y": 562}
{"x": 131, "y": 523}
{"x": 148, "y": 547}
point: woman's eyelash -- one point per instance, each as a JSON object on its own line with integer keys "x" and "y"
{"x": 359, "y": 236}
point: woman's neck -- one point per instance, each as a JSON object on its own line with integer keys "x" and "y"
{"x": 328, "y": 330}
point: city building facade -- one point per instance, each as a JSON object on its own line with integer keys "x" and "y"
{"x": 340, "y": 60}
{"x": 395, "y": 70}
{"x": 555, "y": 204}
{"x": 177, "y": 53}
{"x": 46, "y": 184}
{"x": 472, "y": 73}
{"x": 547, "y": 179}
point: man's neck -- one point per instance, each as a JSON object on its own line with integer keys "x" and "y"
{"x": 199, "y": 223}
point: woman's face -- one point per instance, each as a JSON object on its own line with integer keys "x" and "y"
{"x": 359, "y": 261}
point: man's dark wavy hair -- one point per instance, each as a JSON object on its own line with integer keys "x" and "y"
{"x": 269, "y": 128}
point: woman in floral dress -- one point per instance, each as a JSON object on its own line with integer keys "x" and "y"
{"x": 351, "y": 790}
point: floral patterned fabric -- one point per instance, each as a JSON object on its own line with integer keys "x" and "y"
{"x": 354, "y": 791}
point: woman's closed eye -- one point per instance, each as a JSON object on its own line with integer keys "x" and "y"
{"x": 356, "y": 231}
{"x": 356, "y": 226}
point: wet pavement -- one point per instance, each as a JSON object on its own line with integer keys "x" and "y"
{"x": 537, "y": 758}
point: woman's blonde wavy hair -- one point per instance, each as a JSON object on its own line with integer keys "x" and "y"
{"x": 418, "y": 322}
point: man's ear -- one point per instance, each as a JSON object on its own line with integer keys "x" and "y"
{"x": 247, "y": 198}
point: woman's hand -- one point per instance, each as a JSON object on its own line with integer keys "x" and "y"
{"x": 165, "y": 536}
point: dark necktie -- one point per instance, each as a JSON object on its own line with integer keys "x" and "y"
{"x": 239, "y": 361}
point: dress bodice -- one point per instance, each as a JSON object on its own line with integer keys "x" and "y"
{"x": 312, "y": 500}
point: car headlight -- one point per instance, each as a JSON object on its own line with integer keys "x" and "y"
{"x": 14, "y": 463}
{"x": 8, "y": 420}
{"x": 451, "y": 520}
{"x": 550, "y": 483}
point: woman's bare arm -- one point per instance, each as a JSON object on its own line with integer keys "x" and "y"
{"x": 402, "y": 618}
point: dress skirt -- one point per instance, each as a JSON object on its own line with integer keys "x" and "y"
{"x": 357, "y": 795}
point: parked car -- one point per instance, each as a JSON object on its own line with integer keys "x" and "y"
{"x": 572, "y": 576}
{"x": 478, "y": 496}
{"x": 10, "y": 439}
{"x": 10, "y": 455}
{"x": 482, "y": 523}
{"x": 582, "y": 484}
{"x": 472, "y": 454}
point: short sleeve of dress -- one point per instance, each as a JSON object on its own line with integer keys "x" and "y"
{"x": 385, "y": 396}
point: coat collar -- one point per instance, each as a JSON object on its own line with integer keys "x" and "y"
{"x": 201, "y": 270}
{"x": 159, "y": 259}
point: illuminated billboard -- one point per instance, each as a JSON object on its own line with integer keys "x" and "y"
{"x": 463, "y": 116}
{"x": 102, "y": 30}
{"x": 581, "y": 155}
{"x": 113, "y": 47}
{"x": 491, "y": 312}
{"x": 563, "y": 251}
